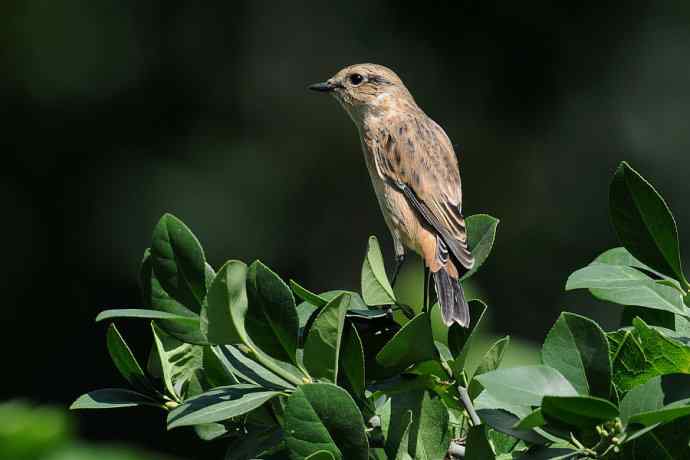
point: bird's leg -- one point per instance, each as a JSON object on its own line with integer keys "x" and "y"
{"x": 425, "y": 307}
{"x": 399, "y": 261}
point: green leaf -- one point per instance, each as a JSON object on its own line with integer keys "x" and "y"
{"x": 322, "y": 347}
{"x": 178, "y": 262}
{"x": 644, "y": 223}
{"x": 403, "y": 451}
{"x": 376, "y": 289}
{"x": 460, "y": 338}
{"x": 321, "y": 455}
{"x": 179, "y": 361}
{"x": 250, "y": 445}
{"x": 478, "y": 446}
{"x": 186, "y": 330}
{"x": 668, "y": 390}
{"x": 126, "y": 363}
{"x": 526, "y": 385}
{"x": 621, "y": 256}
{"x": 668, "y": 356}
{"x": 144, "y": 314}
{"x": 577, "y": 347}
{"x": 490, "y": 362}
{"x": 548, "y": 453}
{"x": 663, "y": 415}
{"x": 630, "y": 365}
{"x": 352, "y": 360}
{"x": 626, "y": 286}
{"x": 322, "y": 416}
{"x": 533, "y": 420}
{"x": 666, "y": 442}
{"x": 219, "y": 404}
{"x": 271, "y": 319}
{"x": 306, "y": 295}
{"x": 431, "y": 429}
{"x": 112, "y": 398}
{"x": 481, "y": 233}
{"x": 226, "y": 294}
{"x": 248, "y": 370}
{"x": 503, "y": 421}
{"x": 577, "y": 411}
{"x": 412, "y": 344}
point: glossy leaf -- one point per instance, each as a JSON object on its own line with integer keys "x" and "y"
{"x": 186, "y": 330}
{"x": 662, "y": 415}
{"x": 644, "y": 222}
{"x": 621, "y": 256}
{"x": 490, "y": 362}
{"x": 460, "y": 338}
{"x": 126, "y": 363}
{"x": 413, "y": 343}
{"x": 248, "y": 370}
{"x": 219, "y": 404}
{"x": 322, "y": 416}
{"x": 376, "y": 289}
{"x": 526, "y": 385}
{"x": 577, "y": 347}
{"x": 226, "y": 295}
{"x": 271, "y": 318}
{"x": 112, "y": 398}
{"x": 481, "y": 233}
{"x": 322, "y": 347}
{"x": 578, "y": 411}
{"x": 179, "y": 361}
{"x": 178, "y": 262}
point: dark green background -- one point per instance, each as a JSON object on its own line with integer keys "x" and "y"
{"x": 117, "y": 111}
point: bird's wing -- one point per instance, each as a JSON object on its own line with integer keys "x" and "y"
{"x": 415, "y": 153}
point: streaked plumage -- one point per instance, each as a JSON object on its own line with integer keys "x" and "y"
{"x": 415, "y": 174}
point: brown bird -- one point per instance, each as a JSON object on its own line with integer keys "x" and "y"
{"x": 414, "y": 171}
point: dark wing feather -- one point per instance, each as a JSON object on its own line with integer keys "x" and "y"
{"x": 415, "y": 153}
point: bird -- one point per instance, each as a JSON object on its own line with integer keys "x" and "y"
{"x": 415, "y": 175}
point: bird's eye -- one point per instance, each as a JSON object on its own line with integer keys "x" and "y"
{"x": 356, "y": 79}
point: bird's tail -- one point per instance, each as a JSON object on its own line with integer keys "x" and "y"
{"x": 454, "y": 308}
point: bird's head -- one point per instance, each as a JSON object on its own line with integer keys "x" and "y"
{"x": 365, "y": 89}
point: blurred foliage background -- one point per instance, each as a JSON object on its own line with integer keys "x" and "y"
{"x": 115, "y": 111}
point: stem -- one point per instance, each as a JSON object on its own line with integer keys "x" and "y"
{"x": 467, "y": 403}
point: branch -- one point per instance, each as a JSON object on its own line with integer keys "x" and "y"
{"x": 467, "y": 403}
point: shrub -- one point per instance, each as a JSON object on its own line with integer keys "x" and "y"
{"x": 277, "y": 371}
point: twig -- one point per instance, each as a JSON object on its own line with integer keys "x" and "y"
{"x": 467, "y": 403}
{"x": 456, "y": 451}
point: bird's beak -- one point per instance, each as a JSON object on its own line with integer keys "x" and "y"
{"x": 325, "y": 87}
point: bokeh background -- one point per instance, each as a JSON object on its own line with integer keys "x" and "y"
{"x": 116, "y": 111}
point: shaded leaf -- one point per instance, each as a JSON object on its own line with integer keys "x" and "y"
{"x": 322, "y": 416}
{"x": 503, "y": 421}
{"x": 644, "y": 222}
{"x": 322, "y": 347}
{"x": 376, "y": 289}
{"x": 478, "y": 446}
{"x": 481, "y": 233}
{"x": 112, "y": 398}
{"x": 226, "y": 294}
{"x": 490, "y": 362}
{"x": 578, "y": 411}
{"x": 145, "y": 314}
{"x": 126, "y": 363}
{"x": 413, "y": 343}
{"x": 271, "y": 318}
{"x": 352, "y": 360}
{"x": 533, "y": 420}
{"x": 577, "y": 347}
{"x": 178, "y": 262}
{"x": 460, "y": 338}
{"x": 321, "y": 455}
{"x": 306, "y": 295}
